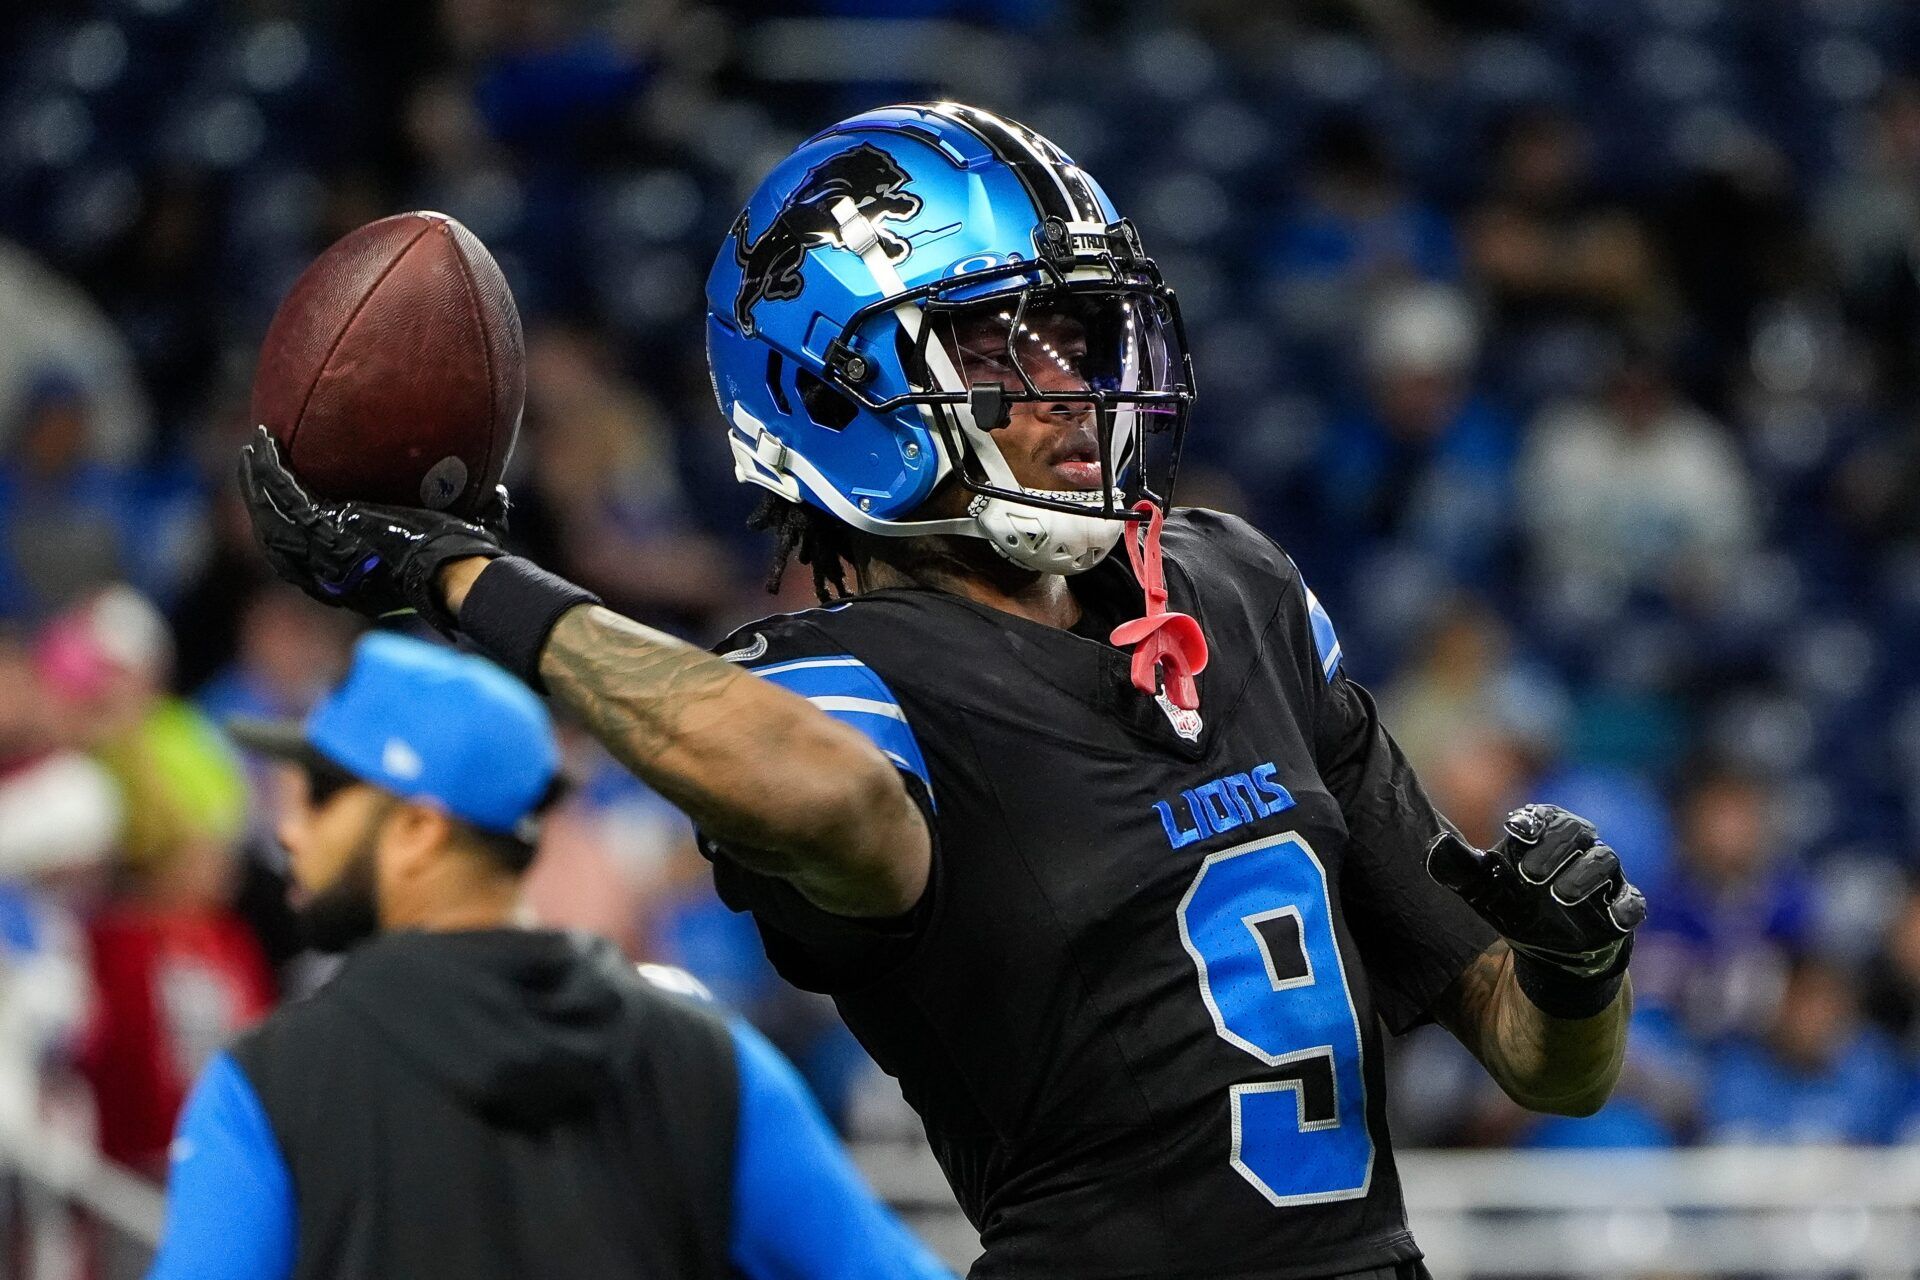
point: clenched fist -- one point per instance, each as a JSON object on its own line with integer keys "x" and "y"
{"x": 1549, "y": 887}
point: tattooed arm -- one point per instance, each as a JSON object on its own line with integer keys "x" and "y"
{"x": 1558, "y": 1065}
{"x": 756, "y": 767}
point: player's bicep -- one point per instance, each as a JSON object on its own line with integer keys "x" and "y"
{"x": 876, "y": 863}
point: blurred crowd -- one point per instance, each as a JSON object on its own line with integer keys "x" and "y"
{"x": 1569, "y": 348}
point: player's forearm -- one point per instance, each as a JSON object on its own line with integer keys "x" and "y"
{"x": 1557, "y": 1065}
{"x": 700, "y": 731}
{"x": 752, "y": 764}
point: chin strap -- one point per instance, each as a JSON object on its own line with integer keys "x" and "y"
{"x": 1164, "y": 638}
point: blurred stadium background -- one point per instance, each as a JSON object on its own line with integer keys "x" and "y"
{"x": 1569, "y": 346}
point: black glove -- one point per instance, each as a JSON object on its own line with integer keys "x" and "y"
{"x": 377, "y": 560}
{"x": 1551, "y": 889}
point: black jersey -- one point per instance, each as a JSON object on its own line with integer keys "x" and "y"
{"x": 1138, "y": 1009}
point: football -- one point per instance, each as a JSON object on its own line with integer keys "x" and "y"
{"x": 395, "y": 369}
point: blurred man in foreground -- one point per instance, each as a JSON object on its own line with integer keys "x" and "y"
{"x": 472, "y": 1099}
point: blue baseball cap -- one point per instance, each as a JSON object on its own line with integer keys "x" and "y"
{"x": 428, "y": 723}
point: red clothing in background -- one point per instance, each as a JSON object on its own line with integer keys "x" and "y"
{"x": 170, "y": 990}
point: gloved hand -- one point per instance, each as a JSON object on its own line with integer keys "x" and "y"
{"x": 1551, "y": 889}
{"x": 377, "y": 560}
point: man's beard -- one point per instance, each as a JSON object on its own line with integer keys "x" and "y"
{"x": 346, "y": 912}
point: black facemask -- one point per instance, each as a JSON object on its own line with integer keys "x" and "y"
{"x": 347, "y": 911}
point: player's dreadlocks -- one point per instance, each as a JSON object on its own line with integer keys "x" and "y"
{"x": 816, "y": 538}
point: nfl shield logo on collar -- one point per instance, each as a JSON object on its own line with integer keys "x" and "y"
{"x": 1185, "y": 723}
{"x": 748, "y": 653}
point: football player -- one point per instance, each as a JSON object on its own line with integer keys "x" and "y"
{"x": 1104, "y": 857}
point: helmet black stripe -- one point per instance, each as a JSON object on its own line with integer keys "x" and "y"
{"x": 1082, "y": 190}
{"x": 1035, "y": 161}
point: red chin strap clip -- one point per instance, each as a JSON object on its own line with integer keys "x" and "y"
{"x": 1169, "y": 649}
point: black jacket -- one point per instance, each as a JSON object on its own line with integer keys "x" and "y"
{"x": 500, "y": 1103}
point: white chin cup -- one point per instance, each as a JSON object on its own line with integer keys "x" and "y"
{"x": 1042, "y": 539}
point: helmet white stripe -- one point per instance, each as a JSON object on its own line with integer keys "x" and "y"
{"x": 859, "y": 235}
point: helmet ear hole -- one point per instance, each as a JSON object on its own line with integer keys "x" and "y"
{"x": 825, "y": 405}
{"x": 776, "y": 387}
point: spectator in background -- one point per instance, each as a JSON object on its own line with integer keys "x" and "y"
{"x": 166, "y": 288}
{"x": 46, "y": 322}
{"x": 1423, "y": 460}
{"x": 60, "y": 814}
{"x": 59, "y": 808}
{"x": 1546, "y": 249}
{"x": 1891, "y": 996}
{"x": 1870, "y": 212}
{"x": 71, "y": 519}
{"x": 1816, "y": 1074}
{"x": 175, "y": 972}
{"x": 1356, "y": 222}
{"x": 1483, "y": 726}
{"x": 609, "y": 852}
{"x": 605, "y": 498}
{"x": 206, "y": 614}
{"x": 1734, "y": 908}
{"x": 290, "y": 650}
{"x": 1478, "y": 778}
{"x": 1478, "y": 724}
{"x": 1635, "y": 489}
{"x": 1875, "y": 491}
{"x": 1869, "y": 221}
{"x": 1450, "y": 686}
{"x": 1355, "y": 228}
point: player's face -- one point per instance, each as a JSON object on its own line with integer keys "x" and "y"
{"x": 330, "y": 828}
{"x": 1046, "y": 444}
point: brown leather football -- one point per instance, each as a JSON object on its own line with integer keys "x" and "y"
{"x": 395, "y": 370}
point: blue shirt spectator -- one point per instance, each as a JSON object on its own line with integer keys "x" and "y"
{"x": 1356, "y": 222}
{"x": 1816, "y": 1077}
{"x": 1731, "y": 912}
{"x": 70, "y": 522}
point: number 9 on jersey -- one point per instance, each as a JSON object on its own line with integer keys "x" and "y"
{"x": 1258, "y": 923}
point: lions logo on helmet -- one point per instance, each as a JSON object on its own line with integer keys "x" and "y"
{"x": 770, "y": 266}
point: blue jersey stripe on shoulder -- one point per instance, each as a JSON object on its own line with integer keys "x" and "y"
{"x": 1324, "y": 639}
{"x": 848, "y": 690}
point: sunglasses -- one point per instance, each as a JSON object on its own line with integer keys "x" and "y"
{"x": 324, "y": 782}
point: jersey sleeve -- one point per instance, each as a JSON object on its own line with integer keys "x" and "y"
{"x": 230, "y": 1209}
{"x": 848, "y": 690}
{"x": 1415, "y": 935}
{"x": 801, "y": 1211}
{"x": 813, "y": 948}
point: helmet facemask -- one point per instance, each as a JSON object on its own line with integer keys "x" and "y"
{"x": 1103, "y": 351}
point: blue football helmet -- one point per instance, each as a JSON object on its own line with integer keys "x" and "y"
{"x": 834, "y": 329}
